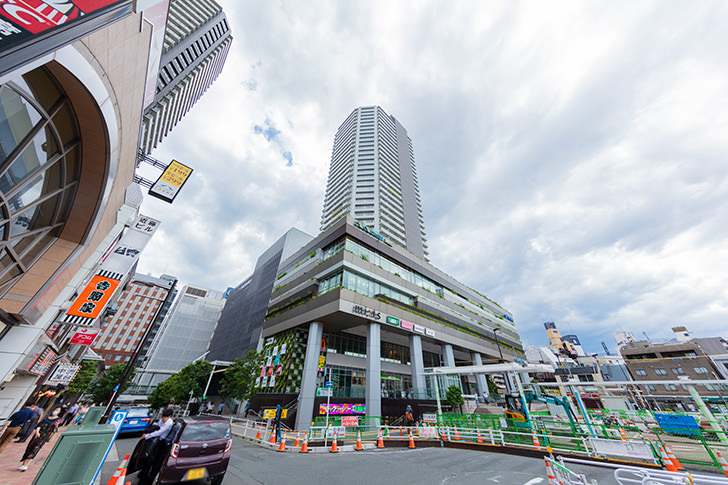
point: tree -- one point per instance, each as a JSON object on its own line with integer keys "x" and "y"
{"x": 454, "y": 396}
{"x": 161, "y": 396}
{"x": 193, "y": 377}
{"x": 238, "y": 380}
{"x": 492, "y": 388}
{"x": 83, "y": 379}
{"x": 103, "y": 389}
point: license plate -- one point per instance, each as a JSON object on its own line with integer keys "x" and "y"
{"x": 196, "y": 473}
{"x": 133, "y": 421}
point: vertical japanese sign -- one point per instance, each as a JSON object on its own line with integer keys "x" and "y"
{"x": 322, "y": 356}
{"x": 171, "y": 181}
{"x": 93, "y": 298}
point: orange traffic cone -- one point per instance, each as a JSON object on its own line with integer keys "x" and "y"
{"x": 457, "y": 436}
{"x": 550, "y": 473}
{"x": 257, "y": 436}
{"x": 304, "y": 446}
{"x": 666, "y": 460}
{"x": 121, "y": 468}
{"x": 535, "y": 441}
{"x": 622, "y": 434}
{"x": 386, "y": 431}
{"x": 479, "y": 438}
{"x": 411, "y": 441}
{"x": 723, "y": 463}
{"x": 298, "y": 440}
{"x": 334, "y": 447}
{"x": 273, "y": 437}
{"x": 282, "y": 446}
{"x": 673, "y": 458}
{"x": 380, "y": 441}
{"x": 122, "y": 476}
{"x": 358, "y": 441}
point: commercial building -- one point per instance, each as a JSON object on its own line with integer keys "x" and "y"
{"x": 138, "y": 308}
{"x": 71, "y": 100}
{"x": 372, "y": 178}
{"x": 682, "y": 358}
{"x": 184, "y": 336}
{"x": 196, "y": 43}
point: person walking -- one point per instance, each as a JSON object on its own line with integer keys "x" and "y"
{"x": 28, "y": 427}
{"x": 70, "y": 415}
{"x": 220, "y": 408}
{"x": 81, "y": 413}
{"x": 17, "y": 420}
{"x": 41, "y": 435}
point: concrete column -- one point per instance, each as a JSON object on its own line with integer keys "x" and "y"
{"x": 418, "y": 365}
{"x": 308, "y": 379}
{"x": 374, "y": 370}
{"x": 448, "y": 356}
{"x": 480, "y": 378}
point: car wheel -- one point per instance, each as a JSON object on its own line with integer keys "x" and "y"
{"x": 217, "y": 480}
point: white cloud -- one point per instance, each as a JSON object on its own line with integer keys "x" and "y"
{"x": 571, "y": 155}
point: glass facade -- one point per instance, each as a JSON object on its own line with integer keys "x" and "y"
{"x": 39, "y": 170}
{"x": 363, "y": 285}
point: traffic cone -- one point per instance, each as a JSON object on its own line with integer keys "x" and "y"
{"x": 380, "y": 441}
{"x": 622, "y": 434}
{"x": 358, "y": 441}
{"x": 282, "y": 446}
{"x": 334, "y": 447}
{"x": 673, "y": 458}
{"x": 304, "y": 447}
{"x": 479, "y": 438}
{"x": 273, "y": 437}
{"x": 121, "y": 468}
{"x": 122, "y": 477}
{"x": 457, "y": 436}
{"x": 298, "y": 440}
{"x": 666, "y": 460}
{"x": 535, "y": 441}
{"x": 257, "y": 436}
{"x": 550, "y": 473}
{"x": 411, "y": 441}
{"x": 386, "y": 431}
{"x": 723, "y": 463}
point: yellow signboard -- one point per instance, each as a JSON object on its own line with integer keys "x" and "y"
{"x": 271, "y": 413}
{"x": 171, "y": 181}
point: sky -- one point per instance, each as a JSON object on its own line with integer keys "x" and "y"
{"x": 571, "y": 155}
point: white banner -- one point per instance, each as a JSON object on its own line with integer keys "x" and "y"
{"x": 632, "y": 449}
{"x": 62, "y": 374}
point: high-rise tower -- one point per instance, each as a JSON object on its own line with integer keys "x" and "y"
{"x": 373, "y": 178}
{"x": 196, "y": 42}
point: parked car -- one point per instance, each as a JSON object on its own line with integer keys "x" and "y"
{"x": 136, "y": 421}
{"x": 196, "y": 447}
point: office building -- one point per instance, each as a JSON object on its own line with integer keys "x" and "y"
{"x": 138, "y": 308}
{"x": 241, "y": 321}
{"x": 196, "y": 43}
{"x": 372, "y": 178}
{"x": 185, "y": 334}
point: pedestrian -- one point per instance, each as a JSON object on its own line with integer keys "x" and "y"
{"x": 247, "y": 408}
{"x": 220, "y": 408}
{"x": 17, "y": 420}
{"x": 70, "y": 415}
{"x": 277, "y": 422}
{"x": 409, "y": 415}
{"x": 28, "y": 427}
{"x": 81, "y": 413}
{"x": 40, "y": 436}
{"x": 152, "y": 450}
{"x": 209, "y": 407}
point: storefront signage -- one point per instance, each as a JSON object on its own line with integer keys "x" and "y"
{"x": 429, "y": 332}
{"x": 406, "y": 325}
{"x": 85, "y": 336}
{"x": 419, "y": 329}
{"x": 171, "y": 181}
{"x": 364, "y": 311}
{"x": 393, "y": 321}
{"x": 345, "y": 408}
{"x": 322, "y": 356}
{"x": 350, "y": 421}
{"x": 368, "y": 231}
{"x": 43, "y": 362}
{"x": 372, "y": 314}
{"x": 324, "y": 392}
{"x": 93, "y": 298}
{"x": 271, "y": 413}
{"x": 63, "y": 374}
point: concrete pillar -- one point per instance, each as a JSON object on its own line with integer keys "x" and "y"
{"x": 308, "y": 379}
{"x": 418, "y": 365}
{"x": 374, "y": 370}
{"x": 448, "y": 356}
{"x": 480, "y": 378}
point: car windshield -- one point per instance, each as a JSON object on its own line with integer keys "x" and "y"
{"x": 138, "y": 413}
{"x": 206, "y": 431}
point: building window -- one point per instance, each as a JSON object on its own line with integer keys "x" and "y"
{"x": 678, "y": 371}
{"x": 670, "y": 387}
{"x": 640, "y": 372}
{"x": 650, "y": 387}
{"x": 700, "y": 370}
{"x": 661, "y": 372}
{"x": 118, "y": 357}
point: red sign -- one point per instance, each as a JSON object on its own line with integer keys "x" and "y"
{"x": 37, "y": 16}
{"x": 85, "y": 336}
{"x": 350, "y": 421}
{"x": 94, "y": 297}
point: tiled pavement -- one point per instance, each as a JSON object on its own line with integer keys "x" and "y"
{"x": 10, "y": 461}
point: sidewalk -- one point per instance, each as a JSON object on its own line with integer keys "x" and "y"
{"x": 10, "y": 461}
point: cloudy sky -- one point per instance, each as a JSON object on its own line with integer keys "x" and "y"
{"x": 571, "y": 155}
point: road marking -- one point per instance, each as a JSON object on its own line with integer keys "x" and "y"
{"x": 534, "y": 481}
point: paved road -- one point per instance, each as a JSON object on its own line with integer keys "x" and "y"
{"x": 253, "y": 465}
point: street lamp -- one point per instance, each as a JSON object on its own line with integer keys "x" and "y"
{"x": 495, "y": 335}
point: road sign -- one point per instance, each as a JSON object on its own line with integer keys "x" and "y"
{"x": 329, "y": 384}
{"x": 116, "y": 419}
{"x": 324, "y": 392}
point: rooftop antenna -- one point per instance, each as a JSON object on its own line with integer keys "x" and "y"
{"x": 606, "y": 349}
{"x": 646, "y": 336}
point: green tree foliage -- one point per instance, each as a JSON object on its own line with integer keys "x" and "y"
{"x": 103, "y": 388}
{"x": 238, "y": 380}
{"x": 454, "y": 397}
{"x": 193, "y": 377}
{"x": 83, "y": 379}
{"x": 492, "y": 388}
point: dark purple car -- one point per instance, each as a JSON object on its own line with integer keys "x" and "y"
{"x": 196, "y": 447}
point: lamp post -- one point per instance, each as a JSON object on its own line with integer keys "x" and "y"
{"x": 495, "y": 335}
